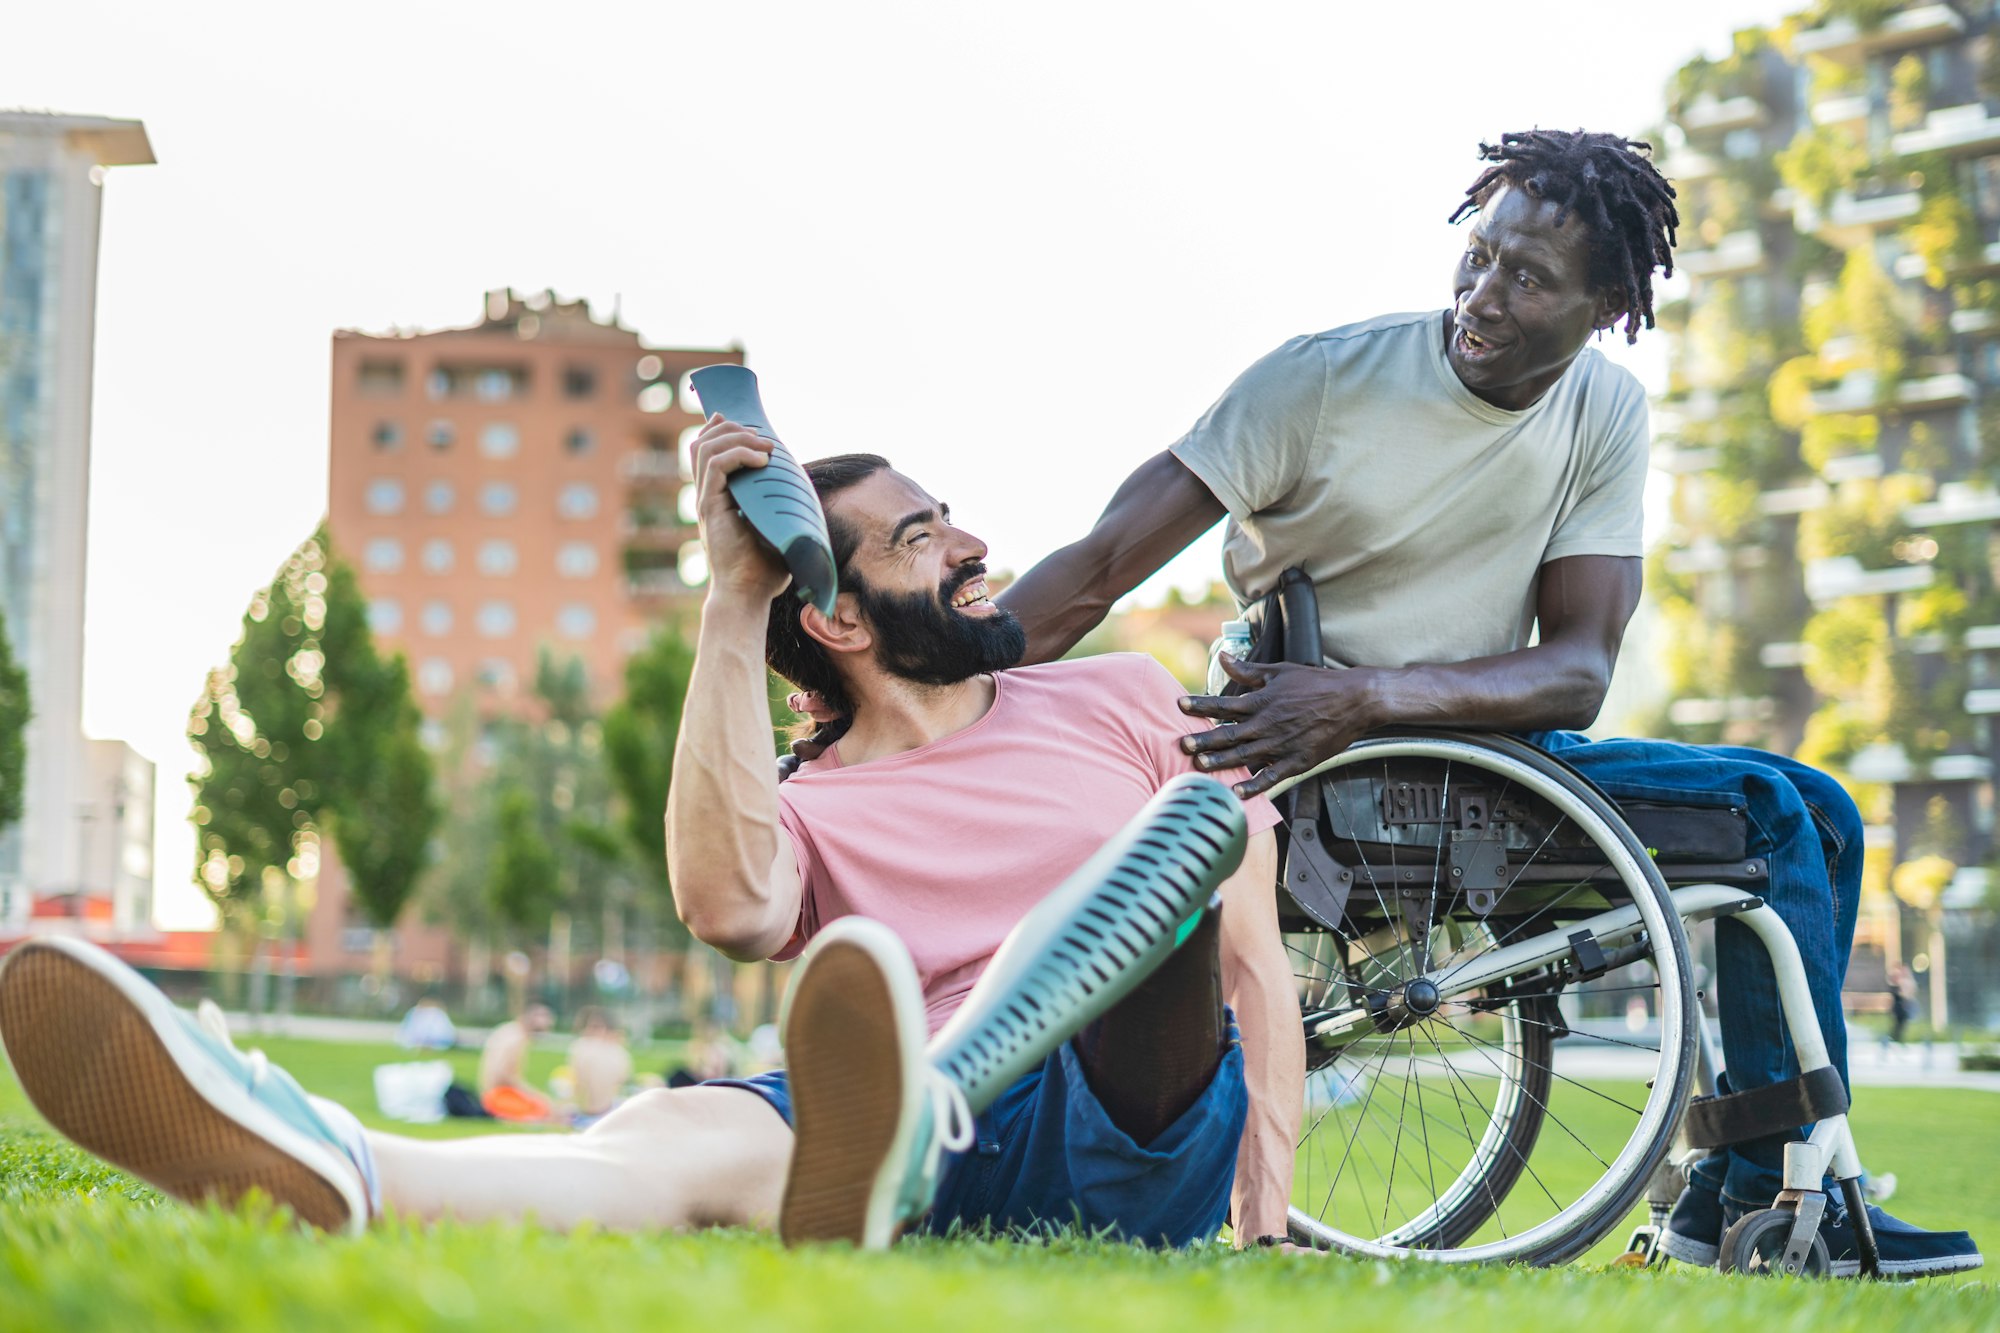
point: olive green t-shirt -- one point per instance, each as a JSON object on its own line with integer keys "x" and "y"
{"x": 1422, "y": 513}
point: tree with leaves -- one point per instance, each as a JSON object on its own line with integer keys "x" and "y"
{"x": 524, "y": 888}
{"x": 639, "y": 735}
{"x": 14, "y": 715}
{"x": 308, "y": 733}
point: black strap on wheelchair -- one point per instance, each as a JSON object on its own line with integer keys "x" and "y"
{"x": 1286, "y": 625}
{"x": 1735, "y": 1117}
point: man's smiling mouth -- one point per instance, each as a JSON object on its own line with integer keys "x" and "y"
{"x": 971, "y": 595}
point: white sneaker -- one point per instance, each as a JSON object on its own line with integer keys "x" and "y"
{"x": 114, "y": 1066}
{"x": 872, "y": 1119}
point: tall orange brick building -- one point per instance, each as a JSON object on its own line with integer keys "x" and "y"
{"x": 510, "y": 486}
{"x": 502, "y": 488}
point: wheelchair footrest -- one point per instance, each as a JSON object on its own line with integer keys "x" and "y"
{"x": 1735, "y": 1117}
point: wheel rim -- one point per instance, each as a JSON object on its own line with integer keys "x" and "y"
{"x": 1420, "y": 1140}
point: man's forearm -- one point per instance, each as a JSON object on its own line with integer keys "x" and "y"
{"x": 1154, "y": 513}
{"x": 1548, "y": 685}
{"x": 722, "y": 805}
{"x": 1064, "y": 597}
{"x": 1257, "y": 981}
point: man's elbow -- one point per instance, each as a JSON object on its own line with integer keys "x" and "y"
{"x": 734, "y": 934}
{"x": 1583, "y": 696}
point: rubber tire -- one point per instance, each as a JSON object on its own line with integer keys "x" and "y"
{"x": 1749, "y": 1246}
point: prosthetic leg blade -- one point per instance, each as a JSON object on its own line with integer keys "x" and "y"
{"x": 1086, "y": 945}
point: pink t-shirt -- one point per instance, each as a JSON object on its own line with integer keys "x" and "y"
{"x": 951, "y": 844}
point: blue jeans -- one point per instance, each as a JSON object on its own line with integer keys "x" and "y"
{"x": 1805, "y": 826}
{"x": 1046, "y": 1154}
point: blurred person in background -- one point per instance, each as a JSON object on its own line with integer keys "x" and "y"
{"x": 504, "y": 1089}
{"x": 427, "y": 1027}
{"x": 600, "y": 1065}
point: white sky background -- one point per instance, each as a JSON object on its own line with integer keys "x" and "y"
{"x": 1015, "y": 247}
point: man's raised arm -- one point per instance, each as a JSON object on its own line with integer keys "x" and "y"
{"x": 735, "y": 881}
{"x": 1160, "y": 508}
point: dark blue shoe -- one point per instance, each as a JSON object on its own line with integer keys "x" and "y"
{"x": 1694, "y": 1229}
{"x": 1906, "y": 1251}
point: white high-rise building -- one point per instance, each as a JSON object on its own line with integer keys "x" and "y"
{"x": 85, "y": 837}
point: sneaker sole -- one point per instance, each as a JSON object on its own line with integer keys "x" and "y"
{"x": 853, "y": 1037}
{"x": 1913, "y": 1268}
{"x": 1689, "y": 1251}
{"x": 120, "y": 1078}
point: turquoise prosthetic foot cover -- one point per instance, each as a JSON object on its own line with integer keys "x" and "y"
{"x": 777, "y": 498}
{"x": 1093, "y": 939}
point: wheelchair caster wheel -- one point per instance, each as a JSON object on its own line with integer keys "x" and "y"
{"x": 1756, "y": 1245}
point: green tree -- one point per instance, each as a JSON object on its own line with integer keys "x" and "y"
{"x": 523, "y": 886}
{"x": 307, "y": 733}
{"x": 14, "y": 714}
{"x": 639, "y": 735}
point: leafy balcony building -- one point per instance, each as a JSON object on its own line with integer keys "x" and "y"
{"x": 1830, "y": 586}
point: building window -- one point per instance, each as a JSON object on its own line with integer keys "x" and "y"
{"x": 438, "y": 497}
{"x": 577, "y": 500}
{"x": 497, "y": 557}
{"x": 436, "y": 617}
{"x": 438, "y": 384}
{"x": 496, "y": 673}
{"x": 434, "y": 676}
{"x": 579, "y": 382}
{"x": 382, "y": 555}
{"x": 493, "y": 386}
{"x": 495, "y": 619}
{"x": 687, "y": 450}
{"x": 437, "y": 556}
{"x": 380, "y": 379}
{"x": 688, "y": 397}
{"x": 388, "y": 436}
{"x": 499, "y": 439}
{"x": 576, "y": 621}
{"x": 433, "y": 735}
{"x": 649, "y": 367}
{"x": 656, "y": 398}
{"x": 385, "y": 615}
{"x": 579, "y": 442}
{"x": 385, "y": 496}
{"x": 498, "y": 498}
{"x": 576, "y": 560}
{"x": 441, "y": 434}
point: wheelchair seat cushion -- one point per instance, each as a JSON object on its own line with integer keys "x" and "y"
{"x": 1689, "y": 833}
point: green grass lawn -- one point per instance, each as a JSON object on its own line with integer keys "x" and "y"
{"x": 83, "y": 1247}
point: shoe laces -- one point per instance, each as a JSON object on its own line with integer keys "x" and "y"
{"x": 951, "y": 1129}
{"x": 208, "y": 1016}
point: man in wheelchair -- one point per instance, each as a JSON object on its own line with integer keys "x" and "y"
{"x": 1030, "y": 930}
{"x": 1450, "y": 482}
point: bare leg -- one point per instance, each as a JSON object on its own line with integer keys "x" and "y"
{"x": 693, "y": 1157}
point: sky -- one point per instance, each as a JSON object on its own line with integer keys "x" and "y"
{"x": 1017, "y": 247}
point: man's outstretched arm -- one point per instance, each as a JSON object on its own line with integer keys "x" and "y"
{"x": 1257, "y": 981}
{"x": 1293, "y": 717}
{"x": 735, "y": 881}
{"x": 1159, "y": 509}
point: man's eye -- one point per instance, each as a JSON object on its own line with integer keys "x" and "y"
{"x": 916, "y": 537}
{"x": 1475, "y": 259}
{"x": 1526, "y": 281}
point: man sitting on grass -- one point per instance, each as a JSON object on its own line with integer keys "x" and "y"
{"x": 955, "y": 811}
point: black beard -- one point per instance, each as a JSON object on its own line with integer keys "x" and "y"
{"x": 920, "y": 638}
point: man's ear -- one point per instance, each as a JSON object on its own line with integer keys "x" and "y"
{"x": 842, "y": 632}
{"x": 1610, "y": 309}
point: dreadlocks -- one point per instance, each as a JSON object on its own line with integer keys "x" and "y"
{"x": 1624, "y": 201}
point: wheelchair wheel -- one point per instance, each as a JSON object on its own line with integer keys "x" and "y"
{"x": 1500, "y": 1027}
{"x": 1755, "y": 1247}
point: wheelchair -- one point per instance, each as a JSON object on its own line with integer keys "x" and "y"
{"x": 1504, "y": 1042}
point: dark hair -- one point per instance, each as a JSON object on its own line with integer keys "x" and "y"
{"x": 1624, "y": 201}
{"x": 788, "y": 649}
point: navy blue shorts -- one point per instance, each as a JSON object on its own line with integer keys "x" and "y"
{"x": 1046, "y": 1155}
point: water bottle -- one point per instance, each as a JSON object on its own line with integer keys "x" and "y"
{"x": 1235, "y": 641}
